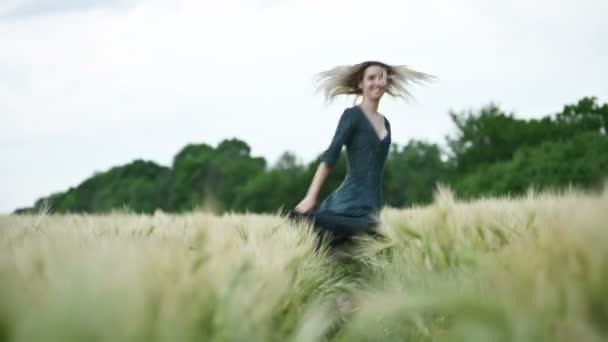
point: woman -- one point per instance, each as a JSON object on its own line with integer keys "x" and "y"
{"x": 354, "y": 207}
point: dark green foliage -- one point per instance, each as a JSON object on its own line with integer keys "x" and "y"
{"x": 140, "y": 186}
{"x": 491, "y": 153}
{"x": 581, "y": 161}
{"x": 270, "y": 190}
{"x": 493, "y": 136}
{"x": 497, "y": 154}
{"x": 204, "y": 175}
{"x": 411, "y": 173}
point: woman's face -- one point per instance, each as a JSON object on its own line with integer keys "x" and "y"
{"x": 373, "y": 84}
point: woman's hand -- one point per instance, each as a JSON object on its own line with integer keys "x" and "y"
{"x": 306, "y": 205}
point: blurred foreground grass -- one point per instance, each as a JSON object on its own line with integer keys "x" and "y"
{"x": 533, "y": 268}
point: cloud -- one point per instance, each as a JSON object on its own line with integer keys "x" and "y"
{"x": 16, "y": 9}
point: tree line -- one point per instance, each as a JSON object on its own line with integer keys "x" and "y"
{"x": 492, "y": 153}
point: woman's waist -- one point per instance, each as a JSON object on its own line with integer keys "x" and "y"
{"x": 361, "y": 184}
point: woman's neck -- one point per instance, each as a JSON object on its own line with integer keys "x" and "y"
{"x": 370, "y": 106}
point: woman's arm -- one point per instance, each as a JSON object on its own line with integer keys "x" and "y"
{"x": 317, "y": 182}
{"x": 329, "y": 158}
{"x": 310, "y": 200}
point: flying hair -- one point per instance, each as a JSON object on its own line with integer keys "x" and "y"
{"x": 344, "y": 80}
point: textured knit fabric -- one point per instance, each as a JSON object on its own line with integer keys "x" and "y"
{"x": 354, "y": 206}
{"x": 360, "y": 193}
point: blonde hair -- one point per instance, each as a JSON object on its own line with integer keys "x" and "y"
{"x": 344, "y": 80}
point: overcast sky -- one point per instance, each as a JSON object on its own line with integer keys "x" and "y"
{"x": 90, "y": 84}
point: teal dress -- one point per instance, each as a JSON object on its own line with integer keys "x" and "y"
{"x": 354, "y": 206}
{"x": 360, "y": 193}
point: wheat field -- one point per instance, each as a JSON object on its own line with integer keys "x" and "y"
{"x": 532, "y": 268}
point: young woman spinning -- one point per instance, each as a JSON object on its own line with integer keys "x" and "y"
{"x": 354, "y": 206}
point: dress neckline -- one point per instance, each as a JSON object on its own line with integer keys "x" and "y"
{"x": 372, "y": 125}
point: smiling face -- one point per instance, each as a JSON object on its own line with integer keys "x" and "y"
{"x": 373, "y": 84}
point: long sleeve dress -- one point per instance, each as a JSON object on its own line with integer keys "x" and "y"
{"x": 354, "y": 206}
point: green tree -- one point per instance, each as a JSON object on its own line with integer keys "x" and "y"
{"x": 581, "y": 161}
{"x": 411, "y": 173}
{"x": 141, "y": 186}
{"x": 203, "y": 175}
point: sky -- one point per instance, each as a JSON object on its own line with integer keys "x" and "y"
{"x": 86, "y": 85}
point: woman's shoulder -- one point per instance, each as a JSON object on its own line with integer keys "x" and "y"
{"x": 352, "y": 112}
{"x": 388, "y": 123}
{"x": 352, "y": 108}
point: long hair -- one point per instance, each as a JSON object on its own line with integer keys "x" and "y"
{"x": 344, "y": 80}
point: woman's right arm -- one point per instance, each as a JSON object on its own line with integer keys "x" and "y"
{"x": 310, "y": 200}
{"x": 329, "y": 158}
